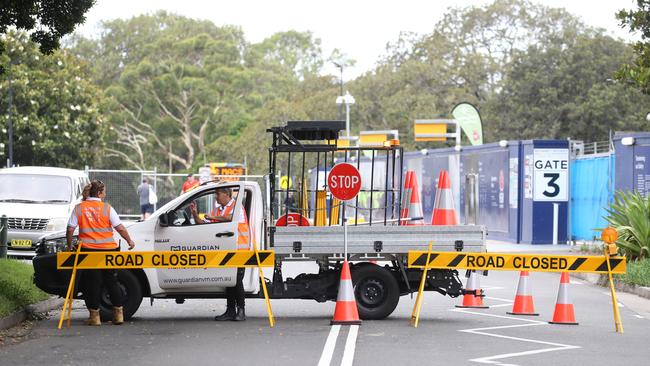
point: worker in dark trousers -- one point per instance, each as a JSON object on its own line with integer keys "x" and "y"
{"x": 224, "y": 207}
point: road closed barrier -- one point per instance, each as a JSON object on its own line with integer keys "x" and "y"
{"x": 166, "y": 259}
{"x": 162, "y": 259}
{"x": 516, "y": 262}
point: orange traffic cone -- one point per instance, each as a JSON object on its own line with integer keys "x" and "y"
{"x": 471, "y": 300}
{"x": 524, "y": 299}
{"x": 415, "y": 204}
{"x": 443, "y": 209}
{"x": 346, "y": 312}
{"x": 406, "y": 199}
{"x": 563, "y": 307}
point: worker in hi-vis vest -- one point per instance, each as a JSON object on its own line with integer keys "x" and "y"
{"x": 96, "y": 220}
{"x": 223, "y": 212}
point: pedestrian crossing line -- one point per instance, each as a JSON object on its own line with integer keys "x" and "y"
{"x": 328, "y": 350}
{"x": 495, "y": 359}
{"x": 330, "y": 345}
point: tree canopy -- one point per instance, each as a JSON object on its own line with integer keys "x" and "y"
{"x": 48, "y": 20}
{"x": 173, "y": 92}
{"x": 53, "y": 106}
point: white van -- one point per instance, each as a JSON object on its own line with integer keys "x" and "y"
{"x": 37, "y": 202}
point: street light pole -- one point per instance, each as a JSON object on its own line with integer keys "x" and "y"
{"x": 346, "y": 99}
{"x": 340, "y": 66}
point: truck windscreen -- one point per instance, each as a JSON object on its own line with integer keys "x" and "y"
{"x": 35, "y": 188}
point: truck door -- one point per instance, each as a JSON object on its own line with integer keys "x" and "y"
{"x": 198, "y": 231}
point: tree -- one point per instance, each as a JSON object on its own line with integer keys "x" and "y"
{"x": 637, "y": 72}
{"x": 53, "y": 106}
{"x": 53, "y": 19}
{"x": 464, "y": 58}
{"x": 567, "y": 92}
{"x": 183, "y": 91}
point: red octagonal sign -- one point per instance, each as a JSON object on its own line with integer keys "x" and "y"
{"x": 344, "y": 181}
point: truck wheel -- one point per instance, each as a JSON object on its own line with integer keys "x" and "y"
{"x": 376, "y": 291}
{"x": 131, "y": 296}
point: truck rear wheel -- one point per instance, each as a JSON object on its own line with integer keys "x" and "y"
{"x": 131, "y": 296}
{"x": 376, "y": 291}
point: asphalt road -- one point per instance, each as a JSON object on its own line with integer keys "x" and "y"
{"x": 168, "y": 333}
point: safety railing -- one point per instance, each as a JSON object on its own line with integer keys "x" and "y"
{"x": 4, "y": 227}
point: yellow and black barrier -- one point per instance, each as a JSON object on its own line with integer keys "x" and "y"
{"x": 606, "y": 264}
{"x": 162, "y": 259}
{"x": 516, "y": 262}
{"x": 166, "y": 259}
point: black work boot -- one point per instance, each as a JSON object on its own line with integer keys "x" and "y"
{"x": 228, "y": 315}
{"x": 241, "y": 315}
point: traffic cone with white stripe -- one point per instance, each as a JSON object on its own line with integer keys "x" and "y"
{"x": 471, "y": 300}
{"x": 523, "y": 304}
{"x": 415, "y": 204}
{"x": 563, "y": 307}
{"x": 346, "y": 312}
{"x": 406, "y": 199}
{"x": 444, "y": 212}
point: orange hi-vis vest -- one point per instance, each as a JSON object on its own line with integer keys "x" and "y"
{"x": 95, "y": 230}
{"x": 243, "y": 236}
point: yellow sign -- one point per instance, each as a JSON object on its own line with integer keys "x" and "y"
{"x": 516, "y": 262}
{"x": 166, "y": 259}
{"x": 285, "y": 182}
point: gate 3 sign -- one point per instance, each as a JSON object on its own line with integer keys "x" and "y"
{"x": 551, "y": 174}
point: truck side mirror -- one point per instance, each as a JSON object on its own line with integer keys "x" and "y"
{"x": 164, "y": 219}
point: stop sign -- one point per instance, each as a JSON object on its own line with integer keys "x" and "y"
{"x": 344, "y": 181}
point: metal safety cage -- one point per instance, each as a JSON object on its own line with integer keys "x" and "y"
{"x": 307, "y": 150}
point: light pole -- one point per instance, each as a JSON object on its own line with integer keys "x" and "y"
{"x": 340, "y": 66}
{"x": 346, "y": 99}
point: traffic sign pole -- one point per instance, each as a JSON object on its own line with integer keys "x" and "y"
{"x": 344, "y": 183}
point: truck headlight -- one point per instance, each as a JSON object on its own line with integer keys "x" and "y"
{"x": 57, "y": 224}
{"x": 56, "y": 245}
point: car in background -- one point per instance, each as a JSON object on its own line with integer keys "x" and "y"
{"x": 38, "y": 202}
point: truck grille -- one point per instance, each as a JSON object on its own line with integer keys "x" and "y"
{"x": 17, "y": 223}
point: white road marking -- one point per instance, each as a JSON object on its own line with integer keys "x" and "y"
{"x": 493, "y": 359}
{"x": 350, "y": 345}
{"x": 639, "y": 316}
{"x": 328, "y": 350}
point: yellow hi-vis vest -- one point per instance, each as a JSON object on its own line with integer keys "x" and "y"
{"x": 95, "y": 230}
{"x": 243, "y": 230}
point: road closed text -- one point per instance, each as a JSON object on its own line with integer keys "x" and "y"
{"x": 156, "y": 260}
{"x": 515, "y": 262}
{"x": 522, "y": 263}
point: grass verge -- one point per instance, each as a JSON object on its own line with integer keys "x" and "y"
{"x": 16, "y": 286}
{"x": 638, "y": 273}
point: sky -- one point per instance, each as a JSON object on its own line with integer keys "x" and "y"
{"x": 359, "y": 28}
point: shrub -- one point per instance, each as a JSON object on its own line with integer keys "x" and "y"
{"x": 630, "y": 215}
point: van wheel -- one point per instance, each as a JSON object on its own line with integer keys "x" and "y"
{"x": 376, "y": 291}
{"x": 131, "y": 296}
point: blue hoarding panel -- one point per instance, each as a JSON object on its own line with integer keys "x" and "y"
{"x": 590, "y": 194}
{"x": 492, "y": 164}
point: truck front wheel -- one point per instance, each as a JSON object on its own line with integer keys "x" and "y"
{"x": 376, "y": 291}
{"x": 131, "y": 296}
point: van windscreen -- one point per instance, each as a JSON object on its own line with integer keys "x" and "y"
{"x": 35, "y": 188}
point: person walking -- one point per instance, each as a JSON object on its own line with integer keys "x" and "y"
{"x": 223, "y": 211}
{"x": 189, "y": 184}
{"x": 96, "y": 220}
{"x": 146, "y": 208}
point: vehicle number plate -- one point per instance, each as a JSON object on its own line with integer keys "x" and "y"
{"x": 21, "y": 243}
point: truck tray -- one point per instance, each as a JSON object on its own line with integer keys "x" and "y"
{"x": 367, "y": 239}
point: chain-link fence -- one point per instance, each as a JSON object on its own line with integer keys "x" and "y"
{"x": 122, "y": 187}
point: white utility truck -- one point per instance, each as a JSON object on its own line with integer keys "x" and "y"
{"x": 378, "y": 238}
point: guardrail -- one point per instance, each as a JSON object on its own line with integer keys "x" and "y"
{"x": 4, "y": 227}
